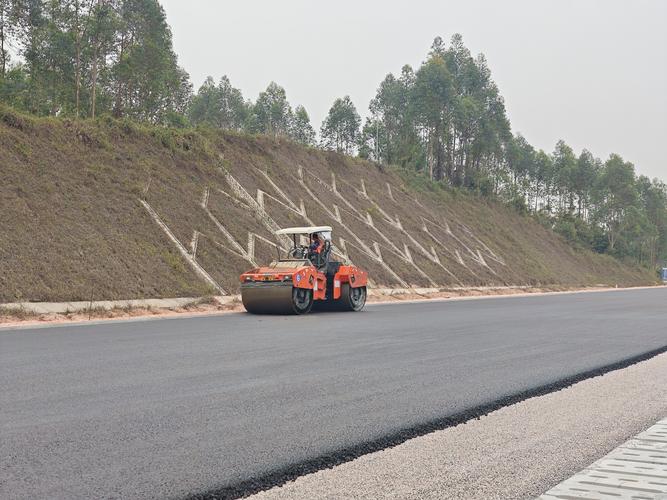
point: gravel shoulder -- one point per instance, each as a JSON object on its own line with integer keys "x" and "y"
{"x": 519, "y": 451}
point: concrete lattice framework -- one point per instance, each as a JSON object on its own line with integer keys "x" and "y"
{"x": 463, "y": 246}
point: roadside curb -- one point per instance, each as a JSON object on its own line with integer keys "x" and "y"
{"x": 425, "y": 294}
{"x": 82, "y": 306}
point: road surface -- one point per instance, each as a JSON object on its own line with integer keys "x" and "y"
{"x": 171, "y": 408}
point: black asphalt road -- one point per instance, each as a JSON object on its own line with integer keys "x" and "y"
{"x": 168, "y": 408}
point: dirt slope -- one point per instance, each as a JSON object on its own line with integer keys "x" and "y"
{"x": 101, "y": 209}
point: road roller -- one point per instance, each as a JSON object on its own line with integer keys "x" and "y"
{"x": 305, "y": 278}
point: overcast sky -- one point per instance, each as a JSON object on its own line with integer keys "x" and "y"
{"x": 591, "y": 72}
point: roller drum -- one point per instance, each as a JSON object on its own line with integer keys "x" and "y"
{"x": 275, "y": 298}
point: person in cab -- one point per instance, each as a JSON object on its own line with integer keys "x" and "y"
{"x": 316, "y": 244}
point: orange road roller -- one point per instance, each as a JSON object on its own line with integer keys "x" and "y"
{"x": 306, "y": 277}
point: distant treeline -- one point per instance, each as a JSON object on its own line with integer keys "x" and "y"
{"x": 446, "y": 120}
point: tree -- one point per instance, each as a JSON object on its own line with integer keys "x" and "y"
{"x": 565, "y": 164}
{"x": 14, "y": 79}
{"x": 220, "y": 106}
{"x": 102, "y": 30}
{"x": 373, "y": 141}
{"x": 615, "y": 193}
{"x": 653, "y": 199}
{"x": 301, "y": 129}
{"x": 521, "y": 162}
{"x": 432, "y": 102}
{"x": 543, "y": 180}
{"x": 386, "y": 109}
{"x": 390, "y": 135}
{"x": 206, "y": 106}
{"x": 340, "y": 129}
{"x": 583, "y": 178}
{"x": 31, "y": 34}
{"x": 8, "y": 26}
{"x": 271, "y": 113}
{"x": 118, "y": 52}
{"x": 146, "y": 80}
{"x": 76, "y": 14}
{"x": 638, "y": 236}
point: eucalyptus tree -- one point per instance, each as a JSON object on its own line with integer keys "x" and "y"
{"x": 543, "y": 181}
{"x": 653, "y": 199}
{"x": 340, "y": 129}
{"x": 146, "y": 81}
{"x": 373, "y": 141}
{"x": 565, "y": 164}
{"x": 8, "y": 32}
{"x": 118, "y": 52}
{"x": 271, "y": 114}
{"x": 301, "y": 129}
{"x": 390, "y": 134}
{"x": 220, "y": 105}
{"x": 614, "y": 194}
{"x": 102, "y": 30}
{"x": 583, "y": 178}
{"x": 432, "y": 103}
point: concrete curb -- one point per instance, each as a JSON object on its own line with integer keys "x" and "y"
{"x": 174, "y": 303}
{"x": 382, "y": 292}
{"x": 68, "y": 307}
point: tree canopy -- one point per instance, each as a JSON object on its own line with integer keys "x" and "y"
{"x": 219, "y": 105}
{"x": 340, "y": 129}
{"x": 86, "y": 57}
{"x": 447, "y": 120}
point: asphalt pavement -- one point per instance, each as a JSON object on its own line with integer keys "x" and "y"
{"x": 228, "y": 404}
{"x": 519, "y": 451}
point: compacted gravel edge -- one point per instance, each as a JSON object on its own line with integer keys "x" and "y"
{"x": 284, "y": 475}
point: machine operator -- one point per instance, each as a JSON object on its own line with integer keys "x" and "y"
{"x": 315, "y": 244}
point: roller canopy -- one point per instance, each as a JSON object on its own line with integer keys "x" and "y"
{"x": 305, "y": 230}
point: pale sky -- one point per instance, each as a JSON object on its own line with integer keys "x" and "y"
{"x": 591, "y": 72}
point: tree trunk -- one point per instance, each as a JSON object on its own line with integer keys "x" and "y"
{"x": 612, "y": 239}
{"x": 78, "y": 74}
{"x": 93, "y": 90}
{"x": 430, "y": 157}
{"x": 118, "y": 106}
{"x": 77, "y": 71}
{"x": 3, "y": 34}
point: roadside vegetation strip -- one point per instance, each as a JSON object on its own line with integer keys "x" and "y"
{"x": 294, "y": 471}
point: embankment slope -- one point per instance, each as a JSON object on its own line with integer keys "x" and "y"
{"x": 113, "y": 210}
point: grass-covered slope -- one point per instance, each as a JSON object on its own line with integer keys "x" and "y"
{"x": 79, "y": 204}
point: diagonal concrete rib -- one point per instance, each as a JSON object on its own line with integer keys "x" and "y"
{"x": 182, "y": 250}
